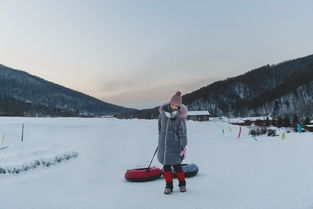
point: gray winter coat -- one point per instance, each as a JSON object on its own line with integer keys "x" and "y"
{"x": 172, "y": 135}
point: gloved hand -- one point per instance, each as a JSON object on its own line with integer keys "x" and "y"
{"x": 182, "y": 153}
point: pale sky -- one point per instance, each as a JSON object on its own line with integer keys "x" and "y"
{"x": 139, "y": 53}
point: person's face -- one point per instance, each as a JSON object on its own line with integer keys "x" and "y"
{"x": 174, "y": 107}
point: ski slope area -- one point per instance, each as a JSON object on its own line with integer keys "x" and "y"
{"x": 237, "y": 173}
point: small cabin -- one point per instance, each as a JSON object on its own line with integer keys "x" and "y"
{"x": 198, "y": 115}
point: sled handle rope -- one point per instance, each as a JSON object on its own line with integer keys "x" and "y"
{"x": 152, "y": 158}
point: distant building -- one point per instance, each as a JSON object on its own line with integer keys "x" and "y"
{"x": 198, "y": 115}
{"x": 107, "y": 116}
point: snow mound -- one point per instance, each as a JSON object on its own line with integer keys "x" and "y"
{"x": 42, "y": 162}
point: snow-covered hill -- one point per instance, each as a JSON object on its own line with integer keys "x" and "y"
{"x": 281, "y": 89}
{"x": 234, "y": 173}
{"x": 22, "y": 94}
{"x": 278, "y": 90}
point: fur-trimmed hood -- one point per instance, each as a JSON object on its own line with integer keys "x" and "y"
{"x": 182, "y": 111}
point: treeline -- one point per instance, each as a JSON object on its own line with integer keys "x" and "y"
{"x": 12, "y": 107}
{"x": 15, "y": 107}
{"x": 280, "y": 122}
{"x": 139, "y": 114}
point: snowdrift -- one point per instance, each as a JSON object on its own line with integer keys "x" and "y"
{"x": 44, "y": 162}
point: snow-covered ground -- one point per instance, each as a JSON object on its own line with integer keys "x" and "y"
{"x": 243, "y": 173}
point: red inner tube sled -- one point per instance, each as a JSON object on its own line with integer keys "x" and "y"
{"x": 143, "y": 174}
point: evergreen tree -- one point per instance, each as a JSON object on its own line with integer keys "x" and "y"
{"x": 279, "y": 122}
{"x": 307, "y": 121}
{"x": 286, "y": 122}
{"x": 295, "y": 121}
{"x": 276, "y": 109}
{"x": 267, "y": 122}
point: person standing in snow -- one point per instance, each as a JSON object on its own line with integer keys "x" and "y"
{"x": 172, "y": 141}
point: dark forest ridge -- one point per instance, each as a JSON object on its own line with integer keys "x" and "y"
{"x": 277, "y": 90}
{"x": 22, "y": 94}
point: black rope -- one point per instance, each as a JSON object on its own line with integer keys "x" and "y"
{"x": 152, "y": 158}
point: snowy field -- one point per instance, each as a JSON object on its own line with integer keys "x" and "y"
{"x": 243, "y": 173}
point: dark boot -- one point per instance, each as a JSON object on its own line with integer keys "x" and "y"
{"x": 182, "y": 182}
{"x": 168, "y": 176}
{"x": 169, "y": 188}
